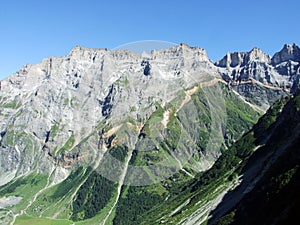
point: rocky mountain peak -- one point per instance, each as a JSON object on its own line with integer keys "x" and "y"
{"x": 242, "y": 58}
{"x": 287, "y": 53}
{"x": 281, "y": 70}
{"x": 182, "y": 50}
{"x": 92, "y": 54}
{"x": 78, "y": 51}
{"x": 257, "y": 54}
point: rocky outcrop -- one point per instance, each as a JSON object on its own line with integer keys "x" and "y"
{"x": 287, "y": 53}
{"x": 239, "y": 59}
{"x": 279, "y": 71}
{"x": 255, "y": 70}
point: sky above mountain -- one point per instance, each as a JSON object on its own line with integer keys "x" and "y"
{"x": 32, "y": 30}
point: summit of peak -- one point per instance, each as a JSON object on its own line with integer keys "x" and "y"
{"x": 242, "y": 58}
{"x": 182, "y": 50}
{"x": 184, "y": 45}
{"x": 256, "y": 54}
{"x": 287, "y": 53}
{"x": 79, "y": 48}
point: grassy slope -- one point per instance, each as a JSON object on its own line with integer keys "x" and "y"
{"x": 230, "y": 165}
{"x": 275, "y": 198}
{"x": 146, "y": 204}
{"x": 27, "y": 220}
{"x": 25, "y": 187}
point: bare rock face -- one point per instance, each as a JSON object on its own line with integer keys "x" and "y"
{"x": 287, "y": 53}
{"x": 51, "y": 106}
{"x": 243, "y": 70}
{"x": 245, "y": 66}
{"x": 280, "y": 70}
{"x": 243, "y": 58}
{"x": 287, "y": 63}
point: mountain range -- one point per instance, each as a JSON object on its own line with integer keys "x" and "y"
{"x": 114, "y": 137}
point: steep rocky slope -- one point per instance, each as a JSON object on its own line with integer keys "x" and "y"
{"x": 272, "y": 197}
{"x": 255, "y": 181}
{"x": 63, "y": 99}
{"x": 100, "y": 135}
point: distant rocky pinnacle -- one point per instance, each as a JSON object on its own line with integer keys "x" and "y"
{"x": 281, "y": 70}
{"x": 287, "y": 53}
{"x": 243, "y": 58}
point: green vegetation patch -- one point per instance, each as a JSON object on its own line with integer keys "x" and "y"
{"x": 92, "y": 196}
{"x": 27, "y": 220}
{"x": 54, "y": 130}
{"x": 25, "y": 187}
{"x": 68, "y": 145}
{"x": 137, "y": 200}
{"x": 119, "y": 152}
{"x": 58, "y": 198}
{"x": 15, "y": 104}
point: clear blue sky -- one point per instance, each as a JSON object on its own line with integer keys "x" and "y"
{"x": 35, "y": 29}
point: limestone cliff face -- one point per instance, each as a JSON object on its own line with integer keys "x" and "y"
{"x": 287, "y": 63}
{"x": 280, "y": 70}
{"x": 242, "y": 58}
{"x": 54, "y": 105}
{"x": 287, "y": 53}
{"x": 245, "y": 70}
